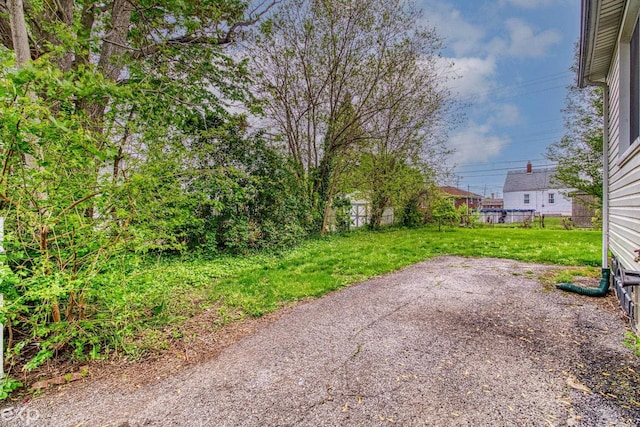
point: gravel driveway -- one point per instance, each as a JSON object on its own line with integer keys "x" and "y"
{"x": 447, "y": 342}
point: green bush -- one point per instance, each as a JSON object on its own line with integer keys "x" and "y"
{"x": 444, "y": 212}
{"x": 342, "y": 208}
{"x": 633, "y": 342}
{"x": 411, "y": 214}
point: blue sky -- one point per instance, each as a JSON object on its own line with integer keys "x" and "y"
{"x": 512, "y": 60}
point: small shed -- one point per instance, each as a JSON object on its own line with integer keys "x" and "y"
{"x": 582, "y": 210}
{"x": 361, "y": 213}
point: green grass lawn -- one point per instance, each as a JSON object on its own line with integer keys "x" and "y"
{"x": 169, "y": 290}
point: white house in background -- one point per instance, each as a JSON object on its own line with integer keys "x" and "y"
{"x": 536, "y": 189}
{"x": 610, "y": 57}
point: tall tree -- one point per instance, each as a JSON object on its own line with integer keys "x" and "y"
{"x": 170, "y": 51}
{"x": 407, "y": 138}
{"x": 94, "y": 96}
{"x": 325, "y": 65}
{"x": 120, "y": 79}
{"x": 579, "y": 152}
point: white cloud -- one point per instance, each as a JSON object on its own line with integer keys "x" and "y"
{"x": 505, "y": 115}
{"x": 465, "y": 38}
{"x": 459, "y": 34}
{"x": 475, "y": 143}
{"x": 473, "y": 77}
{"x": 479, "y": 49}
{"x": 524, "y": 42}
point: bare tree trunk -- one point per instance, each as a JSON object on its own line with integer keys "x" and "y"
{"x": 327, "y": 207}
{"x": 19, "y": 34}
{"x": 115, "y": 39}
{"x": 378, "y": 205}
{"x": 20, "y": 39}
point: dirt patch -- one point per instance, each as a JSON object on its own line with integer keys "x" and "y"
{"x": 196, "y": 341}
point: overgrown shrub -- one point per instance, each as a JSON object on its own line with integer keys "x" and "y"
{"x": 342, "y": 208}
{"x": 468, "y": 218}
{"x": 411, "y": 214}
{"x": 444, "y": 212}
{"x": 64, "y": 218}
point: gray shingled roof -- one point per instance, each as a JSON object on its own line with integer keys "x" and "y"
{"x": 538, "y": 179}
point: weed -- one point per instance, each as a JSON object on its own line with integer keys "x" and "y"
{"x": 8, "y": 385}
{"x": 568, "y": 275}
{"x": 149, "y": 341}
{"x": 633, "y": 342}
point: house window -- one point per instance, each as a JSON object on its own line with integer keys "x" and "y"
{"x": 634, "y": 106}
{"x": 526, "y": 199}
{"x": 552, "y": 198}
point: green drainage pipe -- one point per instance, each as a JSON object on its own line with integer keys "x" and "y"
{"x": 590, "y": 292}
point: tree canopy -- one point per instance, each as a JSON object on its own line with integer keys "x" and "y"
{"x": 345, "y": 77}
{"x": 578, "y": 153}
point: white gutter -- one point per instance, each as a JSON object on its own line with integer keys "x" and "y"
{"x": 586, "y": 41}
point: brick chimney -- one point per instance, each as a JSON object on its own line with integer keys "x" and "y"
{"x": 528, "y": 167}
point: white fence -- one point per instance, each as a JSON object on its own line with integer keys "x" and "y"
{"x": 506, "y": 216}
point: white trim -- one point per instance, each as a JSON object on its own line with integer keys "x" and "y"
{"x": 629, "y": 152}
{"x": 628, "y": 24}
{"x": 624, "y": 97}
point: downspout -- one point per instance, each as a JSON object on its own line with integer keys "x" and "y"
{"x": 601, "y": 290}
{"x": 605, "y": 179}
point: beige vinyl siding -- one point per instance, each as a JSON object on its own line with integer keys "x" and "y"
{"x": 624, "y": 181}
{"x": 605, "y": 40}
{"x": 624, "y": 178}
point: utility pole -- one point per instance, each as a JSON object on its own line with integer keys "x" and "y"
{"x": 468, "y": 194}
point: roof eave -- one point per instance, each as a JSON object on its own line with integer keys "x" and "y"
{"x": 588, "y": 32}
{"x": 600, "y": 31}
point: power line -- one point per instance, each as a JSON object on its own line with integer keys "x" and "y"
{"x": 470, "y": 98}
{"x": 549, "y": 138}
{"x": 486, "y": 176}
{"x": 504, "y": 161}
{"x": 504, "y": 92}
{"x": 532, "y": 82}
{"x": 512, "y": 91}
{"x": 506, "y": 169}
